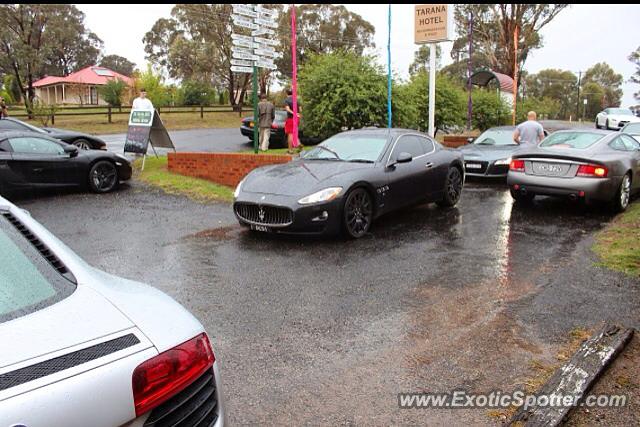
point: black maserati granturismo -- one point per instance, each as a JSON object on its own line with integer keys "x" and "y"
{"x": 81, "y": 140}
{"x": 29, "y": 161}
{"x": 349, "y": 180}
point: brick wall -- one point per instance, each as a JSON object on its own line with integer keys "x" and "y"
{"x": 455, "y": 141}
{"x": 222, "y": 168}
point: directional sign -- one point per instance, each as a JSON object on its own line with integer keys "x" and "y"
{"x": 263, "y": 52}
{"x": 244, "y": 22}
{"x": 242, "y": 62}
{"x": 265, "y": 41}
{"x": 239, "y": 69}
{"x": 266, "y": 64}
{"x": 263, "y": 10}
{"x": 243, "y": 43}
{"x": 241, "y": 50}
{"x": 266, "y": 22}
{"x": 261, "y": 31}
{"x": 245, "y": 11}
{"x": 244, "y": 56}
{"x": 248, "y": 39}
{"x": 264, "y": 47}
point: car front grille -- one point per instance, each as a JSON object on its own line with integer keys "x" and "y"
{"x": 272, "y": 216}
{"x": 195, "y": 406}
{"x": 481, "y": 170}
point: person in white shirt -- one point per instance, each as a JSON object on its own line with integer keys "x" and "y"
{"x": 142, "y": 102}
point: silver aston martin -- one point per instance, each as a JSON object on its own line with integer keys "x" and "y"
{"x": 588, "y": 165}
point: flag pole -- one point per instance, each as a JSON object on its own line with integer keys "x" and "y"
{"x": 389, "y": 72}
{"x": 294, "y": 83}
{"x": 515, "y": 73}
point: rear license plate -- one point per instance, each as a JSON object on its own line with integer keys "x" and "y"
{"x": 550, "y": 169}
{"x": 261, "y": 228}
{"x": 473, "y": 166}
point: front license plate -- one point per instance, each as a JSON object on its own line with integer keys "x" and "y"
{"x": 473, "y": 166}
{"x": 261, "y": 228}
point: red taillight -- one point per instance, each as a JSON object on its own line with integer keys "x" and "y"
{"x": 161, "y": 377}
{"x": 593, "y": 171}
{"x": 274, "y": 126}
{"x": 517, "y": 165}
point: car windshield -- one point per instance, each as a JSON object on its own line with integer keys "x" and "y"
{"x": 579, "y": 140}
{"x": 621, "y": 111}
{"x": 350, "y": 147}
{"x": 633, "y": 129}
{"x": 27, "y": 281}
{"x": 495, "y": 137}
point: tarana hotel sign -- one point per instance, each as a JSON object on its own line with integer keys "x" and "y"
{"x": 432, "y": 23}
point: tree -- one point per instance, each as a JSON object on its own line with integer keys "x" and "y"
{"x": 112, "y": 92}
{"x": 322, "y": 28}
{"x": 494, "y": 26}
{"x": 489, "y": 110}
{"x": 557, "y": 85}
{"x": 635, "y": 78}
{"x": 412, "y": 103}
{"x": 119, "y": 64}
{"x": 342, "y": 90}
{"x": 610, "y": 81}
{"x": 36, "y": 39}
{"x": 195, "y": 44}
{"x": 153, "y": 84}
{"x": 596, "y": 99}
{"x": 195, "y": 93}
{"x": 422, "y": 58}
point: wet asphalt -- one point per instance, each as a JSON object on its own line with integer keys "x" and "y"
{"x": 207, "y": 140}
{"x": 328, "y": 331}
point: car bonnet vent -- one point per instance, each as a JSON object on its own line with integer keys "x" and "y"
{"x": 41, "y": 247}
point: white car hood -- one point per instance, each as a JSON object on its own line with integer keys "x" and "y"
{"x": 81, "y": 317}
{"x": 624, "y": 118}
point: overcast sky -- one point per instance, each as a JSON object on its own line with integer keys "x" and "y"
{"x": 577, "y": 38}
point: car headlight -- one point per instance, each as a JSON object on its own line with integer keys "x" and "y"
{"x": 236, "y": 193}
{"x": 325, "y": 195}
{"x": 501, "y": 162}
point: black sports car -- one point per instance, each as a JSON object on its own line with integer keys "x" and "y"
{"x": 489, "y": 154}
{"x": 349, "y": 180}
{"x": 79, "y": 139}
{"x": 581, "y": 165}
{"x": 29, "y": 161}
{"x": 278, "y": 137}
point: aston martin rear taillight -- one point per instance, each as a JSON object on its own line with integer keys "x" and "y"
{"x": 165, "y": 375}
{"x": 593, "y": 171}
{"x": 517, "y": 165}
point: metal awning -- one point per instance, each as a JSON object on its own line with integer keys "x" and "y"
{"x": 484, "y": 77}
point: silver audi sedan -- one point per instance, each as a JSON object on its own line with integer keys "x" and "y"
{"x": 80, "y": 347}
{"x": 587, "y": 165}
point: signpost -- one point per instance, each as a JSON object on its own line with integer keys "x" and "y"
{"x": 252, "y": 52}
{"x": 432, "y": 26}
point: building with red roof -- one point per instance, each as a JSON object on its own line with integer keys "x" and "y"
{"x": 80, "y": 88}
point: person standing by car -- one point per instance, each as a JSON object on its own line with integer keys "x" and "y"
{"x": 142, "y": 102}
{"x": 266, "y": 116}
{"x": 288, "y": 125}
{"x": 530, "y": 132}
{"x": 4, "y": 111}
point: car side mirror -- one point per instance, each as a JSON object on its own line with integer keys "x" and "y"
{"x": 404, "y": 157}
{"x": 470, "y": 140}
{"x": 71, "y": 150}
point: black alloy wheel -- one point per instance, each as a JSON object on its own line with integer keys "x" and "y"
{"x": 358, "y": 213}
{"x": 453, "y": 188}
{"x": 103, "y": 177}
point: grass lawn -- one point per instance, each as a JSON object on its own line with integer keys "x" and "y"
{"x": 173, "y": 121}
{"x": 155, "y": 173}
{"x": 618, "y": 245}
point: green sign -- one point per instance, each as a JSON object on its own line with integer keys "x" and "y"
{"x": 141, "y": 117}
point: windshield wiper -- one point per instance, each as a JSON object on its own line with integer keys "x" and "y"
{"x": 329, "y": 150}
{"x": 360, "y": 161}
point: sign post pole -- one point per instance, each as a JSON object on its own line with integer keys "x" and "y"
{"x": 389, "y": 72}
{"x": 432, "y": 26}
{"x": 432, "y": 88}
{"x": 256, "y": 119}
{"x": 294, "y": 75}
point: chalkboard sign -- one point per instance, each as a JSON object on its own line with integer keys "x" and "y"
{"x": 139, "y": 131}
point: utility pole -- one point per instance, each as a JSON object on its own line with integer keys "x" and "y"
{"x": 469, "y": 68}
{"x": 578, "y": 99}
